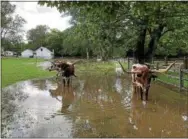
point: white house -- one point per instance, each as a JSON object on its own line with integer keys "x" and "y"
{"x": 44, "y": 52}
{"x": 27, "y": 53}
{"x": 8, "y": 53}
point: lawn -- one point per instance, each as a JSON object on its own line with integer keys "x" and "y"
{"x": 102, "y": 68}
{"x": 20, "y": 69}
{"x": 168, "y": 79}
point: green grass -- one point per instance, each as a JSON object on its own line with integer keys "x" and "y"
{"x": 98, "y": 67}
{"x": 19, "y": 69}
{"x": 168, "y": 79}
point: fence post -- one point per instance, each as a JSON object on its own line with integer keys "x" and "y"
{"x": 157, "y": 65}
{"x": 166, "y": 61}
{"x": 185, "y": 62}
{"x": 128, "y": 62}
{"x": 180, "y": 78}
{"x": 174, "y": 68}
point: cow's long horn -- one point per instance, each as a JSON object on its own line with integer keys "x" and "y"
{"x": 163, "y": 70}
{"x": 75, "y": 62}
{"x": 132, "y": 72}
{"x": 122, "y": 67}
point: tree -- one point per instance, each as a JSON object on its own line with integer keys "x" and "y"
{"x": 11, "y": 26}
{"x": 141, "y": 24}
{"x": 37, "y": 36}
{"x": 54, "y": 40}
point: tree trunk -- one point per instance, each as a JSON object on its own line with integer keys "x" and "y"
{"x": 139, "y": 53}
{"x": 156, "y": 34}
{"x": 87, "y": 53}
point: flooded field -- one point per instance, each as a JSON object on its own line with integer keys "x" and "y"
{"x": 95, "y": 106}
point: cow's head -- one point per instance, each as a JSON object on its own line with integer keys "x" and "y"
{"x": 54, "y": 66}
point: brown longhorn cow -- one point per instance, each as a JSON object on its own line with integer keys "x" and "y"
{"x": 65, "y": 69}
{"x": 142, "y": 75}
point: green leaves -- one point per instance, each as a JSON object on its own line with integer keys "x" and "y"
{"x": 37, "y": 35}
{"x": 98, "y": 23}
{"x": 11, "y": 27}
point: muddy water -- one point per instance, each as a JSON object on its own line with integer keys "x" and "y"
{"x": 95, "y": 106}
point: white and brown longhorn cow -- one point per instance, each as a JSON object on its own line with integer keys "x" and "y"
{"x": 65, "y": 69}
{"x": 142, "y": 75}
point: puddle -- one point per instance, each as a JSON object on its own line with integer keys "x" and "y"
{"x": 95, "y": 106}
{"x": 44, "y": 65}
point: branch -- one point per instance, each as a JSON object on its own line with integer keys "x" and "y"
{"x": 166, "y": 31}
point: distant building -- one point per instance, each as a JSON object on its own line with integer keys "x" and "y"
{"x": 8, "y": 53}
{"x": 27, "y": 53}
{"x": 44, "y": 52}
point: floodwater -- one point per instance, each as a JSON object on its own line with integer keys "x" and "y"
{"x": 95, "y": 106}
{"x": 44, "y": 65}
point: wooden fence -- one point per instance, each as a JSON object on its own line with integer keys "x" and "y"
{"x": 177, "y": 75}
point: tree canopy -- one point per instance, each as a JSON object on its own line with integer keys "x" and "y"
{"x": 141, "y": 26}
{"x": 11, "y": 27}
{"x": 105, "y": 29}
{"x": 37, "y": 36}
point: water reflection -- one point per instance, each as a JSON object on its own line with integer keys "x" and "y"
{"x": 118, "y": 85}
{"x": 94, "y": 106}
{"x": 65, "y": 95}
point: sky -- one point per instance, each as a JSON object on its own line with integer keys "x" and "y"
{"x": 35, "y": 15}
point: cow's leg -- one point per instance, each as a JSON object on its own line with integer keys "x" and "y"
{"x": 147, "y": 91}
{"x": 64, "y": 81}
{"x": 68, "y": 81}
{"x": 141, "y": 93}
{"x": 134, "y": 88}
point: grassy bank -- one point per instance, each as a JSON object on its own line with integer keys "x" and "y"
{"x": 19, "y": 69}
{"x": 170, "y": 80}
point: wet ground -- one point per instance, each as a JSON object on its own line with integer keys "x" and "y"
{"x": 95, "y": 106}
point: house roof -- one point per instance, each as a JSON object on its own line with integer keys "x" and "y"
{"x": 43, "y": 48}
{"x": 27, "y": 50}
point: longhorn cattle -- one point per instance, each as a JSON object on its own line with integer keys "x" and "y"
{"x": 142, "y": 75}
{"x": 65, "y": 69}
